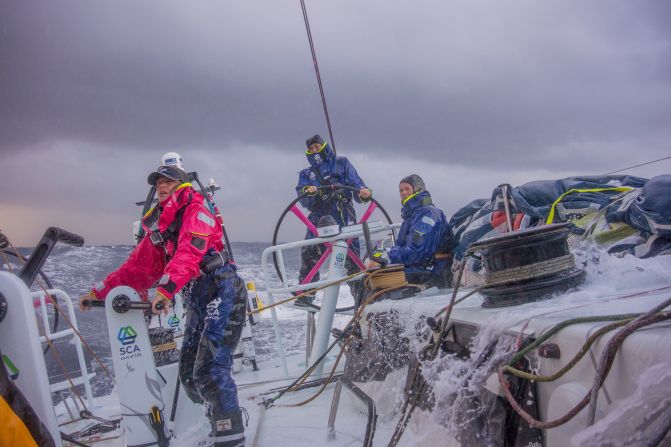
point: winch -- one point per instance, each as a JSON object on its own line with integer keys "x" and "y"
{"x": 527, "y": 265}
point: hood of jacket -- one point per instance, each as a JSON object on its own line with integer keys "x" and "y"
{"x": 324, "y": 160}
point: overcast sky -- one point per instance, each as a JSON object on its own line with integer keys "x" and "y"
{"x": 468, "y": 94}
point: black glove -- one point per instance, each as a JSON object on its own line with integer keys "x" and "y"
{"x": 334, "y": 193}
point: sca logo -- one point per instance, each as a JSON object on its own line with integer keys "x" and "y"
{"x": 173, "y": 321}
{"x": 340, "y": 259}
{"x": 126, "y": 337}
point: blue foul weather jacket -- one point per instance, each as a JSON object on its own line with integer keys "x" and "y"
{"x": 327, "y": 169}
{"x": 423, "y": 233}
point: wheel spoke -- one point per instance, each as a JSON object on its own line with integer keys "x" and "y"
{"x": 317, "y": 266}
{"x": 354, "y": 257}
{"x": 368, "y": 212}
{"x": 303, "y": 218}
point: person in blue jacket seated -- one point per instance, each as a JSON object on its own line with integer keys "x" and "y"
{"x": 326, "y": 169}
{"x": 425, "y": 240}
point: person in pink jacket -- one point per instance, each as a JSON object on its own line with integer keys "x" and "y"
{"x": 183, "y": 243}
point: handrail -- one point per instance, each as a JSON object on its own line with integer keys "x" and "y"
{"x": 371, "y": 423}
{"x": 348, "y": 232}
{"x": 65, "y": 333}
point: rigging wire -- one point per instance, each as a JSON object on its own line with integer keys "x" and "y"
{"x": 639, "y": 165}
{"x": 319, "y": 78}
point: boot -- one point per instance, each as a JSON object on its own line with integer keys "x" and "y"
{"x": 228, "y": 429}
{"x": 305, "y": 300}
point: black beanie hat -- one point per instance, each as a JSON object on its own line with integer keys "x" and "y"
{"x": 314, "y": 139}
{"x": 415, "y": 181}
{"x": 170, "y": 172}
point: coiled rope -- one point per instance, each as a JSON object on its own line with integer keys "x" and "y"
{"x": 530, "y": 271}
{"x": 171, "y": 345}
{"x": 385, "y": 278}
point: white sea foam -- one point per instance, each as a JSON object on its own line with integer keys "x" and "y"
{"x": 632, "y": 421}
{"x": 458, "y": 385}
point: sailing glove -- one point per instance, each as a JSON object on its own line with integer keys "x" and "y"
{"x": 381, "y": 257}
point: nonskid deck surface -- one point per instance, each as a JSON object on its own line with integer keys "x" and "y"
{"x": 294, "y": 425}
{"x": 307, "y": 425}
{"x": 253, "y": 387}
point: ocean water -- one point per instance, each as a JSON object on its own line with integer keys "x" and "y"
{"x": 76, "y": 269}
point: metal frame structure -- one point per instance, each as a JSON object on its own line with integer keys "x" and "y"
{"x": 84, "y": 378}
{"x": 371, "y": 421}
{"x": 349, "y": 232}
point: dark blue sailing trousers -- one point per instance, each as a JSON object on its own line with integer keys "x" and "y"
{"x": 215, "y": 317}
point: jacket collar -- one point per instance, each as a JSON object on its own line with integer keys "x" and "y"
{"x": 167, "y": 210}
{"x": 322, "y": 160}
{"x": 415, "y": 201}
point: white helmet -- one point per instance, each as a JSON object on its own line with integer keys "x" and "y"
{"x": 172, "y": 159}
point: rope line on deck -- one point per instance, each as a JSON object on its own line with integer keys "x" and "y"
{"x": 300, "y": 380}
{"x": 655, "y": 315}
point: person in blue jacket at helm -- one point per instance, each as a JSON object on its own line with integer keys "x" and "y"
{"x": 326, "y": 169}
{"x": 425, "y": 240}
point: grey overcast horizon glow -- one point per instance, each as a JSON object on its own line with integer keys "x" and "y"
{"x": 467, "y": 94}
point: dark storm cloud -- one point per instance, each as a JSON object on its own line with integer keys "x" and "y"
{"x": 137, "y": 76}
{"x": 471, "y": 93}
{"x": 456, "y": 80}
